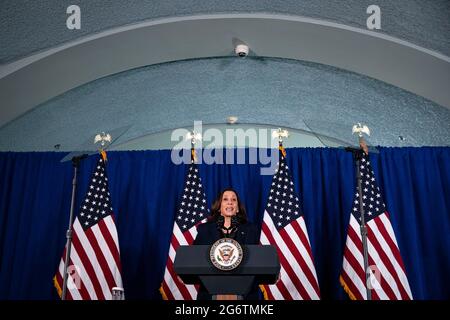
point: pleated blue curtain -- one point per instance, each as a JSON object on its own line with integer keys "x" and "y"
{"x": 145, "y": 186}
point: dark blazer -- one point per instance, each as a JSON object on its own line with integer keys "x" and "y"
{"x": 246, "y": 234}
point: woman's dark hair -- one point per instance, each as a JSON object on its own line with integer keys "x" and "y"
{"x": 215, "y": 208}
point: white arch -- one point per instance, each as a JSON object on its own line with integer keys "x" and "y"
{"x": 32, "y": 80}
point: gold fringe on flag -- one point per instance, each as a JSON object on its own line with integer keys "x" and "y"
{"x": 163, "y": 294}
{"x": 264, "y": 291}
{"x": 346, "y": 288}
{"x": 58, "y": 288}
{"x": 103, "y": 153}
{"x": 283, "y": 151}
{"x": 193, "y": 155}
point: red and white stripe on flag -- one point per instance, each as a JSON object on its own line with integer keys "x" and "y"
{"x": 94, "y": 267}
{"x": 171, "y": 287}
{"x": 387, "y": 279}
{"x": 298, "y": 279}
{"x": 284, "y": 227}
{"x": 192, "y": 211}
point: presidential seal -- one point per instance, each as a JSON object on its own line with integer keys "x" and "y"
{"x": 226, "y": 254}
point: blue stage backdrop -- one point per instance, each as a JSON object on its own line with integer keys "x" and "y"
{"x": 35, "y": 190}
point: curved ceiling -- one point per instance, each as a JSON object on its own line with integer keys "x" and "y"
{"x": 29, "y": 82}
{"x": 276, "y": 92}
{"x": 27, "y": 27}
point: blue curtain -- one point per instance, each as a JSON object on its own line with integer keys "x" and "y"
{"x": 35, "y": 190}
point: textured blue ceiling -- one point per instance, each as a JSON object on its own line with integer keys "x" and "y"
{"x": 271, "y": 91}
{"x": 30, "y": 26}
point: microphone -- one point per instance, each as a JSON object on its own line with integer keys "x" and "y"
{"x": 352, "y": 149}
{"x": 233, "y": 225}
{"x": 357, "y": 152}
{"x": 220, "y": 222}
{"x": 234, "y": 222}
{"x": 231, "y": 229}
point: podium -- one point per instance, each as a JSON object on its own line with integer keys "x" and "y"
{"x": 260, "y": 263}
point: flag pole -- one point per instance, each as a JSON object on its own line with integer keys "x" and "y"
{"x": 357, "y": 155}
{"x": 194, "y": 137}
{"x": 76, "y": 163}
{"x": 280, "y": 134}
{"x": 103, "y": 138}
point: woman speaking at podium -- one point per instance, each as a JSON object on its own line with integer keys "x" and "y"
{"x": 228, "y": 219}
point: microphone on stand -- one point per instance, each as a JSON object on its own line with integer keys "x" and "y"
{"x": 220, "y": 223}
{"x": 234, "y": 222}
{"x": 231, "y": 229}
{"x": 233, "y": 225}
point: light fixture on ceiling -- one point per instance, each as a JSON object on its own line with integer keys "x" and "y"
{"x": 232, "y": 119}
{"x": 241, "y": 50}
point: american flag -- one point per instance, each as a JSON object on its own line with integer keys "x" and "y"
{"x": 192, "y": 210}
{"x": 284, "y": 227}
{"x": 388, "y": 277}
{"x": 94, "y": 266}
